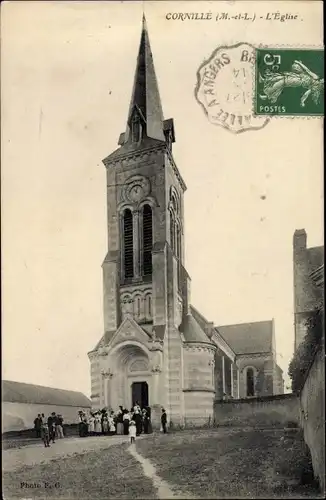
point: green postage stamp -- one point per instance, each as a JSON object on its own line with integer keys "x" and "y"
{"x": 289, "y": 82}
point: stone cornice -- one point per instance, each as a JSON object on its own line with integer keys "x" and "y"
{"x": 255, "y": 355}
{"x": 199, "y": 346}
{"x": 132, "y": 157}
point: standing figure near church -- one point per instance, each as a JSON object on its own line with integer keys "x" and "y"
{"x": 163, "y": 420}
{"x": 149, "y": 420}
{"x": 91, "y": 425}
{"x": 45, "y": 434}
{"x": 126, "y": 421}
{"x": 136, "y": 407}
{"x": 98, "y": 424}
{"x": 120, "y": 421}
{"x": 38, "y": 425}
{"x": 137, "y": 417}
{"x": 80, "y": 423}
{"x": 105, "y": 424}
{"x": 51, "y": 426}
{"x": 145, "y": 420}
{"x": 132, "y": 431}
{"x": 59, "y": 426}
{"x": 111, "y": 423}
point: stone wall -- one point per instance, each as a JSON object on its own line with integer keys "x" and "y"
{"x": 265, "y": 412}
{"x": 198, "y": 407}
{"x": 312, "y": 414}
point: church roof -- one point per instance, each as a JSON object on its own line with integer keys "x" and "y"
{"x": 19, "y": 392}
{"x": 201, "y": 320}
{"x": 192, "y": 331}
{"x": 249, "y": 338}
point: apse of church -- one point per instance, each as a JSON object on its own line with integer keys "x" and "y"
{"x": 156, "y": 348}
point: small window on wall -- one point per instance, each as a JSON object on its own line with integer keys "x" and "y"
{"x": 137, "y": 307}
{"x": 148, "y": 306}
{"x": 172, "y": 233}
{"x": 250, "y": 382}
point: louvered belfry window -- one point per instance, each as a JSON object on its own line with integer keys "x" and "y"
{"x": 128, "y": 244}
{"x": 147, "y": 240}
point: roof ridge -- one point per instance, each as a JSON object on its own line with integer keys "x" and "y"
{"x": 43, "y": 386}
{"x": 247, "y": 323}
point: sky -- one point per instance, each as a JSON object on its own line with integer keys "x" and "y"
{"x": 67, "y": 74}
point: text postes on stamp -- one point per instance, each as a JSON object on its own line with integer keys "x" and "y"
{"x": 289, "y": 82}
{"x": 224, "y": 88}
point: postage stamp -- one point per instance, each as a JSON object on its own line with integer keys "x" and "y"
{"x": 289, "y": 82}
{"x": 224, "y": 88}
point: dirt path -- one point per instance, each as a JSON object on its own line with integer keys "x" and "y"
{"x": 163, "y": 489}
{"x": 16, "y": 458}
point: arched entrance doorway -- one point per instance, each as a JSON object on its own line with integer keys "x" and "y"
{"x": 132, "y": 377}
{"x": 139, "y": 393}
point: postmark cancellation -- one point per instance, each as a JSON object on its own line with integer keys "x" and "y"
{"x": 225, "y": 88}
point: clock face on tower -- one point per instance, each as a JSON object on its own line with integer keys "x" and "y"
{"x": 136, "y": 188}
{"x": 136, "y": 193}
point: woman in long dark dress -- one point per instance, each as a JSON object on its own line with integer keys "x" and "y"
{"x": 120, "y": 421}
{"x": 126, "y": 421}
{"x": 145, "y": 420}
{"x": 138, "y": 420}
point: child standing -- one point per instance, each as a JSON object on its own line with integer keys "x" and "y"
{"x": 132, "y": 431}
{"x": 45, "y": 434}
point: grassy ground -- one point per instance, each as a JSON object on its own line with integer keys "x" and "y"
{"x": 227, "y": 463}
{"x": 110, "y": 473}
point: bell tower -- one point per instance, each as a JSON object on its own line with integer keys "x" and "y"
{"x": 143, "y": 272}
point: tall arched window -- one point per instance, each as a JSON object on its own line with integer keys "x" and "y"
{"x": 250, "y": 382}
{"x": 128, "y": 244}
{"x": 147, "y": 240}
{"x": 178, "y": 252}
{"x": 172, "y": 232}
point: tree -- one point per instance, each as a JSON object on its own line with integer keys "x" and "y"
{"x": 305, "y": 353}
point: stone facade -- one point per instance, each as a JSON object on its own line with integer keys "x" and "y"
{"x": 156, "y": 348}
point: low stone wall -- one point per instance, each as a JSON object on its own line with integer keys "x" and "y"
{"x": 312, "y": 414}
{"x": 198, "y": 407}
{"x": 266, "y": 411}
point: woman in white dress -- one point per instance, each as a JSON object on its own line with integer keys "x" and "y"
{"x": 105, "y": 424}
{"x": 91, "y": 425}
{"x": 111, "y": 424}
{"x": 98, "y": 426}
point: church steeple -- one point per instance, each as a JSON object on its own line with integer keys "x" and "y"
{"x": 145, "y": 111}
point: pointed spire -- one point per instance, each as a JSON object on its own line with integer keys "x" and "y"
{"x": 145, "y": 99}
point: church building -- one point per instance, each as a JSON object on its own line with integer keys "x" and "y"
{"x": 157, "y": 349}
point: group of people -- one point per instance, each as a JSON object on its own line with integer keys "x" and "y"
{"x": 49, "y": 428}
{"x": 122, "y": 422}
{"x": 108, "y": 422}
